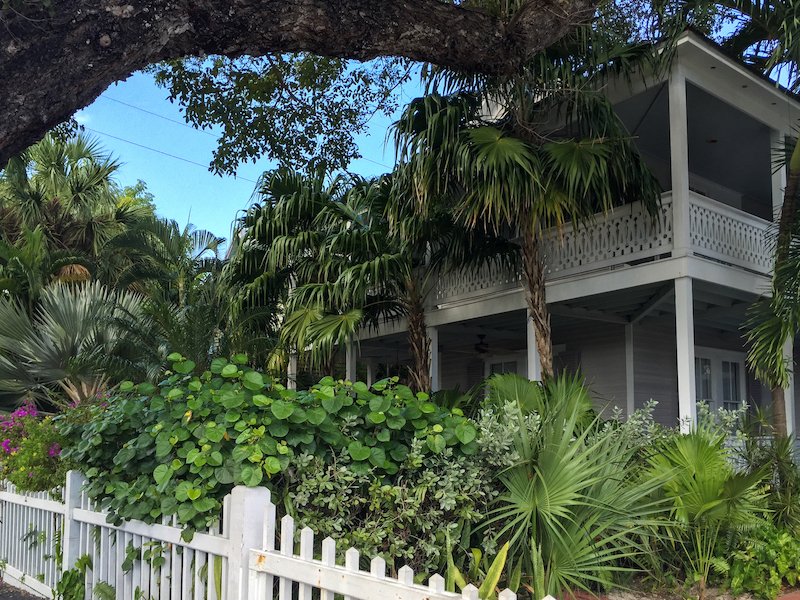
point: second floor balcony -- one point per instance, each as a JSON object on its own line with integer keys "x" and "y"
{"x": 628, "y": 236}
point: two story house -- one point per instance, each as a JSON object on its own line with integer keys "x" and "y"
{"x": 644, "y": 310}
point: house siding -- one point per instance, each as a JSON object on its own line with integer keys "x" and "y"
{"x": 597, "y": 350}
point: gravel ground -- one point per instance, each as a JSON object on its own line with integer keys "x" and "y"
{"x": 8, "y": 592}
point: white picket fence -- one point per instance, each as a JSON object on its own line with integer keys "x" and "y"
{"x": 236, "y": 560}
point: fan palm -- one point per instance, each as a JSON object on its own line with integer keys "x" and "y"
{"x": 80, "y": 339}
{"x": 571, "y": 509}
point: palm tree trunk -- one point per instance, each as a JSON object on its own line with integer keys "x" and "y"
{"x": 786, "y": 227}
{"x": 418, "y": 340}
{"x": 533, "y": 274}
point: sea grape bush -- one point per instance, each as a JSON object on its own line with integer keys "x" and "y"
{"x": 30, "y": 451}
{"x": 177, "y": 448}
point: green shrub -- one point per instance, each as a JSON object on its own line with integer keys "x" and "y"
{"x": 30, "y": 451}
{"x": 765, "y": 560}
{"x": 178, "y": 448}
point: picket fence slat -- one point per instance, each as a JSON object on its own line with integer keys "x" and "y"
{"x": 236, "y": 559}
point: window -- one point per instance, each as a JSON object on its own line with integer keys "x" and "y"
{"x": 719, "y": 378}
{"x": 496, "y": 368}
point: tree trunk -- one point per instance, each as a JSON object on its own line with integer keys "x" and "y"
{"x": 786, "y": 229}
{"x": 58, "y": 60}
{"x": 418, "y": 340}
{"x": 779, "y": 412}
{"x": 533, "y": 274}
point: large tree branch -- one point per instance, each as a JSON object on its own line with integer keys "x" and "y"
{"x": 54, "y": 63}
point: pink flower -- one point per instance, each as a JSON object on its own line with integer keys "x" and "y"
{"x": 6, "y": 445}
{"x": 55, "y": 450}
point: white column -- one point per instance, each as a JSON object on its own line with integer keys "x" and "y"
{"x": 534, "y": 362}
{"x": 435, "y": 366}
{"x": 679, "y": 159}
{"x": 779, "y": 176}
{"x": 370, "y": 373}
{"x": 788, "y": 356}
{"x": 350, "y": 361}
{"x": 291, "y": 372}
{"x": 629, "y": 371}
{"x": 684, "y": 338}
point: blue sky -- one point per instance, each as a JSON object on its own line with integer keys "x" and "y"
{"x": 183, "y": 187}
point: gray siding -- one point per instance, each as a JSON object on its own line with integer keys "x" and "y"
{"x": 656, "y": 368}
{"x": 598, "y": 351}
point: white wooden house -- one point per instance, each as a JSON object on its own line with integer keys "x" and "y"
{"x": 644, "y": 311}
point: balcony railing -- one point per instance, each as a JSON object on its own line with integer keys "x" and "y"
{"x": 628, "y": 236}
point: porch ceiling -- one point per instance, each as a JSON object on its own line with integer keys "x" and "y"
{"x": 715, "y": 307}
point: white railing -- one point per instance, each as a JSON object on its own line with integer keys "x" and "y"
{"x": 30, "y": 524}
{"x": 626, "y": 236}
{"x": 729, "y": 235}
{"x": 238, "y": 561}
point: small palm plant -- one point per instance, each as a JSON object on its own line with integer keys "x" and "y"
{"x": 571, "y": 509}
{"x": 707, "y": 496}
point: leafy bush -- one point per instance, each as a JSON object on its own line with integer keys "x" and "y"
{"x": 178, "y": 448}
{"x": 30, "y": 451}
{"x": 406, "y": 518}
{"x": 764, "y": 561}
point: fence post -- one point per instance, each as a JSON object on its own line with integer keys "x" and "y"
{"x": 70, "y": 539}
{"x": 247, "y": 512}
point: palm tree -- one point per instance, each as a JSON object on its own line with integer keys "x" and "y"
{"x": 357, "y": 254}
{"x": 504, "y": 176}
{"x": 81, "y": 339}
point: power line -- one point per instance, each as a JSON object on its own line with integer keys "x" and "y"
{"x": 186, "y": 160}
{"x": 155, "y": 114}
{"x": 184, "y": 124}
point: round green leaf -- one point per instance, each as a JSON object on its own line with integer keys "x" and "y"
{"x": 376, "y": 417}
{"x": 230, "y": 371}
{"x": 436, "y": 443}
{"x": 282, "y": 410}
{"x": 465, "y": 432}
{"x": 252, "y": 475}
{"x": 359, "y": 451}
{"x": 253, "y": 380}
{"x": 272, "y": 465}
{"x": 162, "y": 474}
{"x": 184, "y": 367}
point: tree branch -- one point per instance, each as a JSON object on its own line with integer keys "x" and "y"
{"x": 51, "y": 65}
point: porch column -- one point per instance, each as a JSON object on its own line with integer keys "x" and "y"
{"x": 534, "y": 363}
{"x": 629, "y": 381}
{"x": 370, "y": 373}
{"x": 291, "y": 372}
{"x": 679, "y": 158}
{"x": 350, "y": 361}
{"x": 788, "y": 393}
{"x": 778, "y": 177}
{"x": 684, "y": 338}
{"x": 435, "y": 366}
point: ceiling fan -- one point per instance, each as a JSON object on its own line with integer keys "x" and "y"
{"x": 481, "y": 347}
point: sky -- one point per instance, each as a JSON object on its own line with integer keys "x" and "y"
{"x": 135, "y": 121}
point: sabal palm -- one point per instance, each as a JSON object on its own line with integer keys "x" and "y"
{"x": 80, "y": 339}
{"x": 66, "y": 188}
{"x": 502, "y": 177}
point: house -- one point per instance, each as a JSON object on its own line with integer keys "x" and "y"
{"x": 645, "y": 310}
